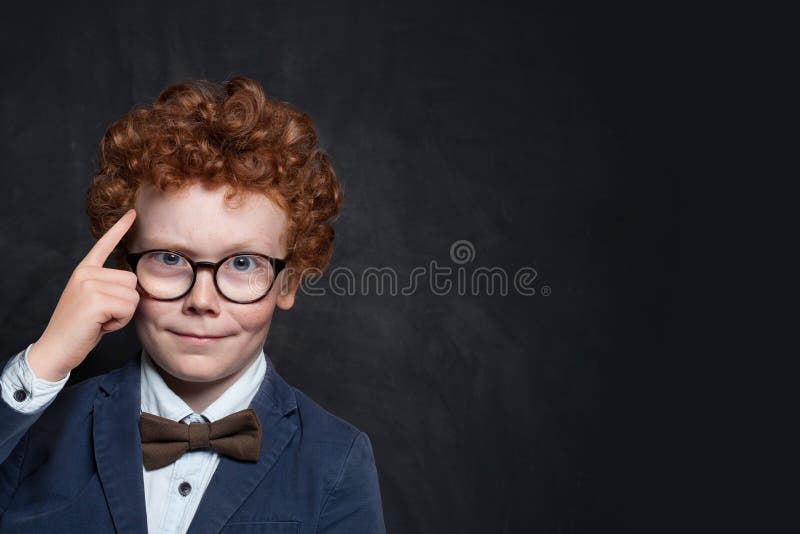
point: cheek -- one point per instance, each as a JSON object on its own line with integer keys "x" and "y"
{"x": 254, "y": 317}
{"x": 148, "y": 311}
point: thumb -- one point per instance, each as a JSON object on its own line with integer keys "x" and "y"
{"x": 110, "y": 326}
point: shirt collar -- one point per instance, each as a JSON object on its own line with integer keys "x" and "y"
{"x": 159, "y": 399}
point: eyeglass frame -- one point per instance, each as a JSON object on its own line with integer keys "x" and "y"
{"x": 278, "y": 265}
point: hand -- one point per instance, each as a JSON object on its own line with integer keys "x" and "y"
{"x": 95, "y": 301}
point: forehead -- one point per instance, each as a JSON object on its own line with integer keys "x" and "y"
{"x": 199, "y": 221}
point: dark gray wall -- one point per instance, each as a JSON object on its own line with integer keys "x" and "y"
{"x": 532, "y": 132}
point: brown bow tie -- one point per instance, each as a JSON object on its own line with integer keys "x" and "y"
{"x": 164, "y": 440}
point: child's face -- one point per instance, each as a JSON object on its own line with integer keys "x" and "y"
{"x": 196, "y": 221}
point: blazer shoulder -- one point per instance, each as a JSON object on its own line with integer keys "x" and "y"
{"x": 321, "y": 425}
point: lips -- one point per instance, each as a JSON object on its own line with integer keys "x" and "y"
{"x": 195, "y": 339}
{"x": 196, "y": 335}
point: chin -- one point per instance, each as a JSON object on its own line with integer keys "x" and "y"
{"x": 191, "y": 367}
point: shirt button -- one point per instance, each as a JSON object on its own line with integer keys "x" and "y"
{"x": 20, "y": 395}
{"x": 185, "y": 488}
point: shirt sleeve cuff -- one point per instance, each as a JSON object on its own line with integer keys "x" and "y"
{"x": 23, "y": 390}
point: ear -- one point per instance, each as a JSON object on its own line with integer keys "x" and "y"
{"x": 285, "y": 299}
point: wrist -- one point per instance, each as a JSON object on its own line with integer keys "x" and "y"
{"x": 40, "y": 362}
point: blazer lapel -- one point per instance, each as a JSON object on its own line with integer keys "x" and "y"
{"x": 117, "y": 446}
{"x": 233, "y": 481}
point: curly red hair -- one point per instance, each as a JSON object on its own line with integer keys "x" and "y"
{"x": 228, "y": 133}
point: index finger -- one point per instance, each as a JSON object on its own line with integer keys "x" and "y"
{"x": 101, "y": 250}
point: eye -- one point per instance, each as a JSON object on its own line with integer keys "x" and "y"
{"x": 242, "y": 263}
{"x": 169, "y": 258}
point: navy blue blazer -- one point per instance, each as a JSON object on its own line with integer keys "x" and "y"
{"x": 78, "y": 468}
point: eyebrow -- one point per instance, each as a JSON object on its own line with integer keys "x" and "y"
{"x": 238, "y": 247}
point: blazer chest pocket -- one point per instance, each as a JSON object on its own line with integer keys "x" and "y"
{"x": 264, "y": 527}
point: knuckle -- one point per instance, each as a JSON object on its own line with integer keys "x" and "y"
{"x": 88, "y": 284}
{"x": 84, "y": 272}
{"x": 78, "y": 274}
{"x": 84, "y": 285}
{"x": 95, "y": 299}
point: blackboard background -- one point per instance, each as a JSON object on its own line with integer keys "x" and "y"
{"x": 536, "y": 132}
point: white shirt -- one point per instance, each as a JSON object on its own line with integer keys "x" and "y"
{"x": 33, "y": 394}
{"x": 169, "y": 510}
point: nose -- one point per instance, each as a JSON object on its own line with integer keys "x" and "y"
{"x": 203, "y": 297}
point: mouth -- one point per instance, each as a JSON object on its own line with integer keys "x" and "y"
{"x": 195, "y": 339}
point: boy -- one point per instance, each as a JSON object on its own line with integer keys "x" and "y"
{"x": 216, "y": 202}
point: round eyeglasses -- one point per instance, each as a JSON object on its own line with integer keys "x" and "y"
{"x": 242, "y": 277}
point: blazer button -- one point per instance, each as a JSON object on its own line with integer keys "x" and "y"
{"x": 185, "y": 488}
{"x": 20, "y": 395}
